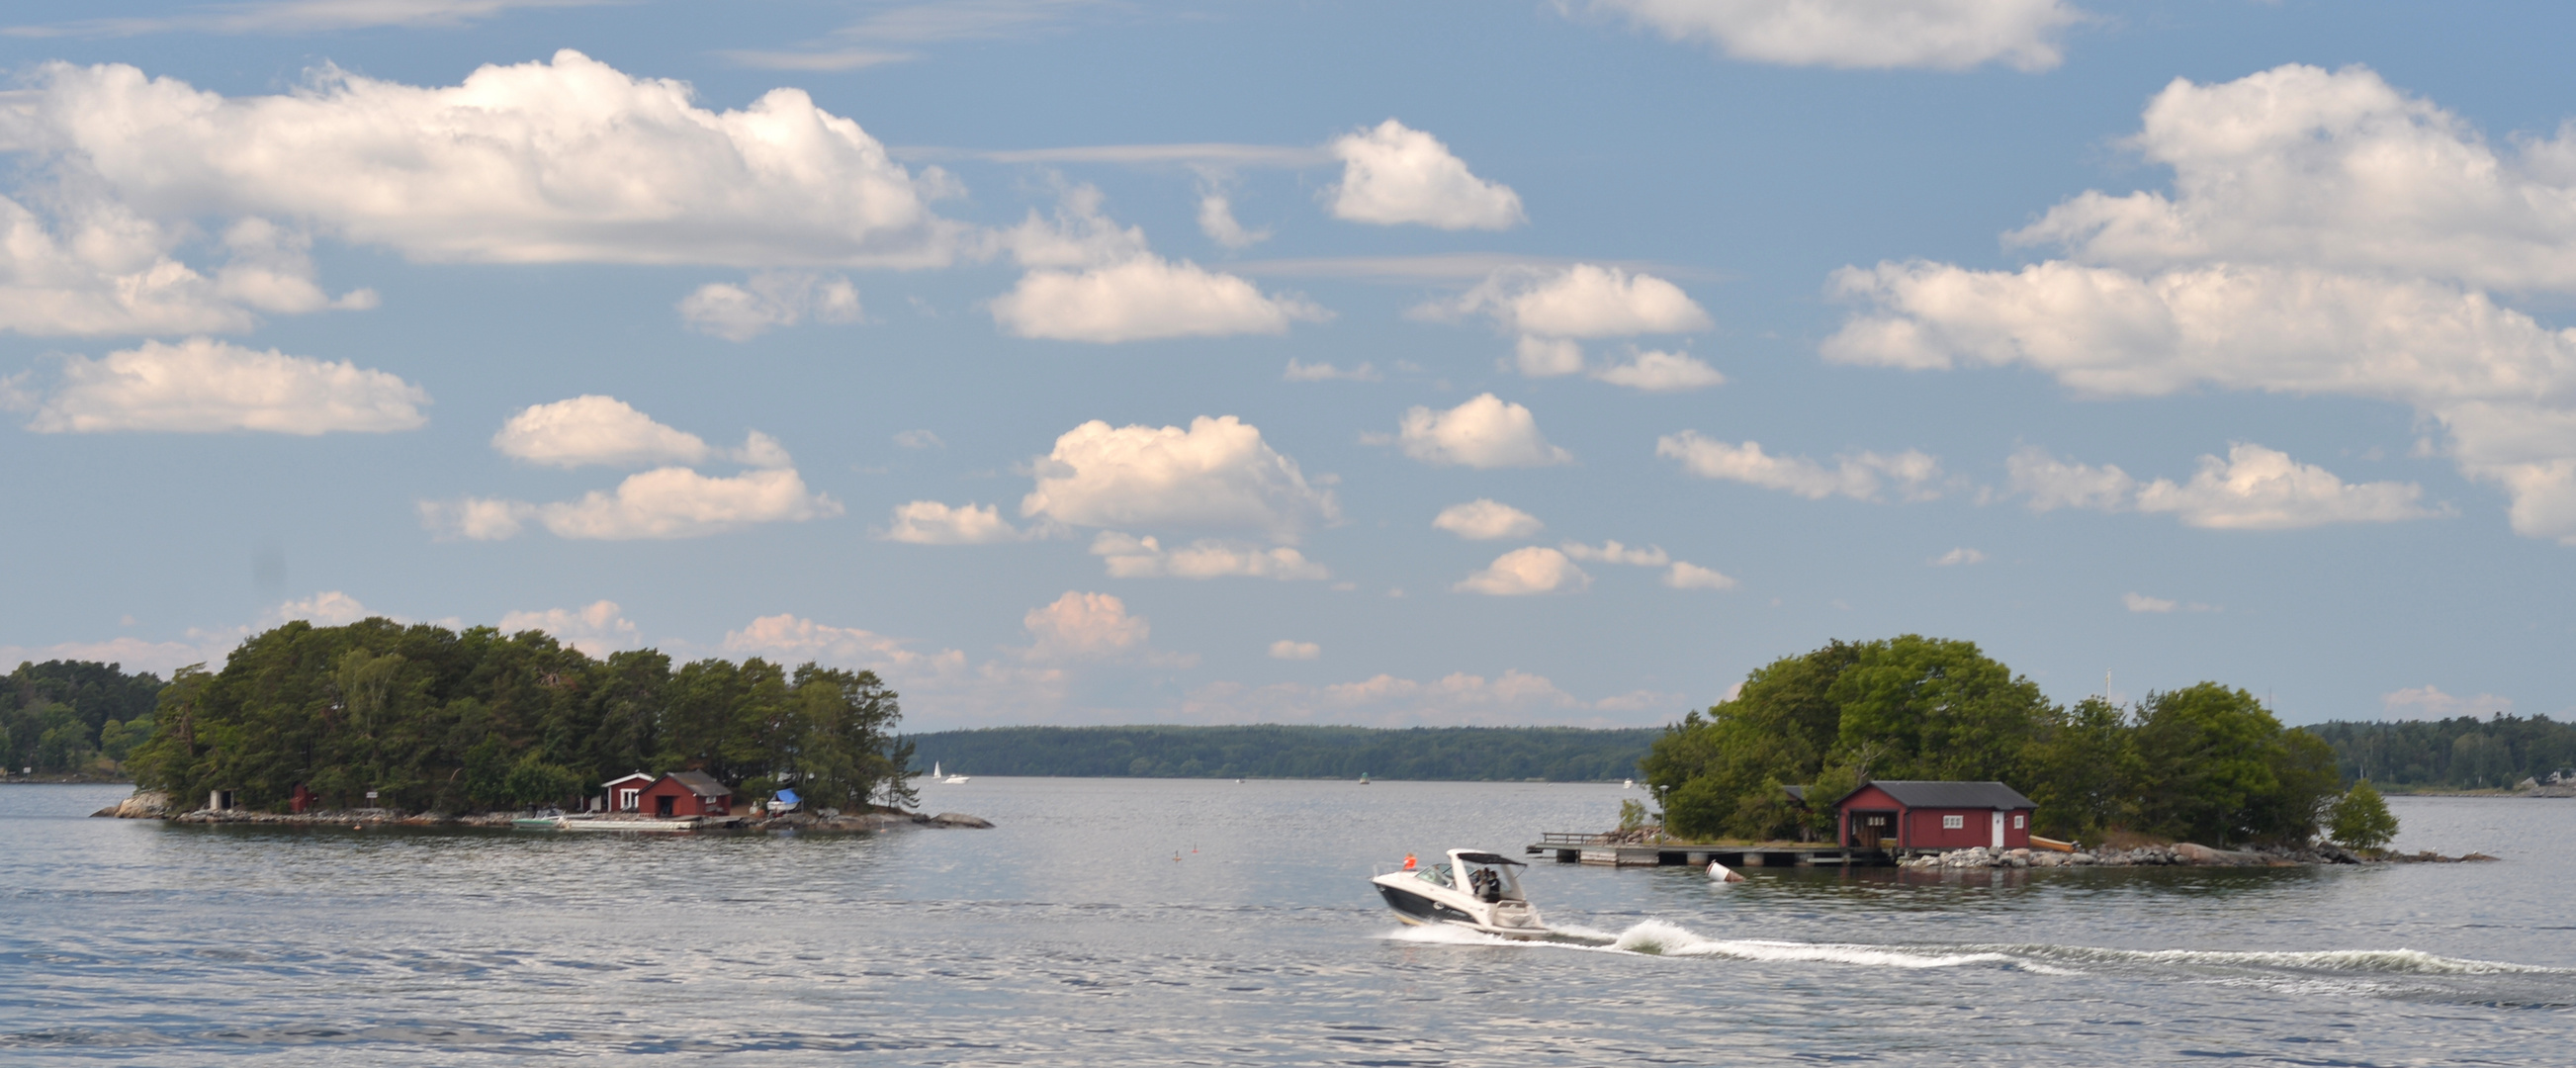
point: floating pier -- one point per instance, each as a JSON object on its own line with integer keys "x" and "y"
{"x": 1574, "y": 847}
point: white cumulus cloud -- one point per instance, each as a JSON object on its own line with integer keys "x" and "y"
{"x": 201, "y": 385}
{"x": 1086, "y": 626}
{"x": 2254, "y": 488}
{"x": 2429, "y": 702}
{"x": 1092, "y": 280}
{"x": 1931, "y": 34}
{"x": 98, "y": 267}
{"x": 566, "y": 160}
{"x": 1218, "y": 474}
{"x": 1217, "y": 221}
{"x": 768, "y": 300}
{"x": 934, "y": 523}
{"x": 676, "y": 502}
{"x": 594, "y": 429}
{"x": 1393, "y": 175}
{"x": 1536, "y": 569}
{"x": 1688, "y": 576}
{"x": 1484, "y": 519}
{"x": 2325, "y": 234}
{"x": 2139, "y": 602}
{"x": 1484, "y": 432}
{"x": 793, "y": 639}
{"x": 1912, "y": 474}
{"x": 1959, "y": 557}
{"x": 1661, "y": 372}
{"x": 1284, "y": 649}
{"x": 1325, "y": 372}
{"x": 598, "y": 629}
{"x": 1129, "y": 556}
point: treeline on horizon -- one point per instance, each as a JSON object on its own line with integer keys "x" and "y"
{"x": 2207, "y": 762}
{"x": 1274, "y": 751}
{"x": 2462, "y": 752}
{"x": 438, "y": 720}
{"x": 74, "y": 717}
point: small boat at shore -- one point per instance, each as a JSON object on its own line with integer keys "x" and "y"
{"x": 1476, "y": 890}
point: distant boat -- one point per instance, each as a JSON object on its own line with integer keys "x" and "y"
{"x": 1364, "y": 778}
{"x": 1627, "y": 784}
{"x": 935, "y": 776}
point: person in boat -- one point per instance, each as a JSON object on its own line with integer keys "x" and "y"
{"x": 1408, "y": 861}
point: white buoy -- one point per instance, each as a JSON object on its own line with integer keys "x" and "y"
{"x": 1721, "y": 873}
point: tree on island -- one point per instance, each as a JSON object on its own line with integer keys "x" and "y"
{"x": 2360, "y": 819}
{"x": 437, "y": 720}
{"x": 2205, "y": 762}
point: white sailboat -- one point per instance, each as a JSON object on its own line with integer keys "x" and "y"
{"x": 935, "y": 775}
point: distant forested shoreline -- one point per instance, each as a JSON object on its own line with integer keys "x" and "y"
{"x": 2461, "y": 753}
{"x": 1275, "y": 751}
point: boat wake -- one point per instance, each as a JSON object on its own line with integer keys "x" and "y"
{"x": 2354, "y": 971}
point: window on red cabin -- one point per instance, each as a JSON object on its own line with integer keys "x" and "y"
{"x": 1953, "y": 823}
{"x": 2016, "y": 821}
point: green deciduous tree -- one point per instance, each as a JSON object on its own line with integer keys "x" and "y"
{"x": 2360, "y": 819}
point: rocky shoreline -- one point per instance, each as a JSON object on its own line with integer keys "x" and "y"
{"x": 153, "y": 805}
{"x": 2180, "y": 854}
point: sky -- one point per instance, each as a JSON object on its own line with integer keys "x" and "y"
{"x": 1396, "y": 364}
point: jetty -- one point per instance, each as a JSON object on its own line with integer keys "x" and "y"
{"x": 1611, "y": 848}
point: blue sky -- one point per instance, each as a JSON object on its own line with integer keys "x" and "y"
{"x": 1362, "y": 363}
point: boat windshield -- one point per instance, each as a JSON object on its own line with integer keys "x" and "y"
{"x": 1437, "y": 875}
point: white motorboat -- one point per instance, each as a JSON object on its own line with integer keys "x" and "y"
{"x": 1476, "y": 890}
{"x": 935, "y": 775}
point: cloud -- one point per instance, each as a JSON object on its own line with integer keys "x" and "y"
{"x": 562, "y": 161}
{"x": 1483, "y": 519}
{"x": 888, "y": 32}
{"x": 594, "y": 429}
{"x": 597, "y": 630}
{"x": 1129, "y": 556}
{"x": 1686, "y": 576}
{"x": 1216, "y": 475}
{"x": 330, "y": 608}
{"x": 1611, "y": 552}
{"x": 1661, "y": 372}
{"x": 293, "y": 17}
{"x": 2337, "y": 171}
{"x": 1144, "y": 299}
{"x": 1580, "y": 300}
{"x": 1092, "y": 280}
{"x": 1086, "y": 626}
{"x": 1515, "y": 698}
{"x": 1913, "y": 474}
{"x": 919, "y": 439}
{"x": 1547, "y": 357}
{"x": 2254, "y": 488}
{"x": 2138, "y": 602}
{"x": 675, "y": 502}
{"x": 666, "y": 502}
{"x": 97, "y": 267}
{"x": 769, "y": 299}
{"x": 2429, "y": 702}
{"x": 1485, "y": 432}
{"x": 1392, "y": 175}
{"x": 203, "y": 386}
{"x": 1535, "y": 569}
{"x": 792, "y": 639}
{"x": 2326, "y": 235}
{"x": 1283, "y": 649}
{"x": 1325, "y": 372}
{"x": 1959, "y": 557}
{"x": 1216, "y": 220}
{"x": 1932, "y": 34}
{"x": 933, "y": 523}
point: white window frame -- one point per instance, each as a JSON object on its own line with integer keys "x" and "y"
{"x": 2017, "y": 818}
{"x": 629, "y": 799}
{"x": 1954, "y": 823}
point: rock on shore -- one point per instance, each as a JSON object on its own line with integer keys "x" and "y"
{"x": 144, "y": 805}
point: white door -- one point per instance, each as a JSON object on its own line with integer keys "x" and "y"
{"x": 1999, "y": 828}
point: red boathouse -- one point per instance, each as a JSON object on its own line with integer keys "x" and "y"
{"x": 625, "y": 794}
{"x": 686, "y": 793}
{"x": 1917, "y": 814}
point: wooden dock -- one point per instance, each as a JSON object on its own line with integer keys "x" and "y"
{"x": 1571, "y": 847}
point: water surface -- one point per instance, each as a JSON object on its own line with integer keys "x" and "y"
{"x": 1166, "y": 922}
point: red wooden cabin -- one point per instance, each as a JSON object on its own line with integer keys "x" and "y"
{"x": 626, "y": 794}
{"x": 1915, "y": 814}
{"x": 686, "y": 793}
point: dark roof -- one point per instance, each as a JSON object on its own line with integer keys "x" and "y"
{"x": 1921, "y": 793}
{"x": 700, "y": 783}
{"x": 1797, "y": 793}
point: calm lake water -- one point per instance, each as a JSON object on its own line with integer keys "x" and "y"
{"x": 1144, "y": 922}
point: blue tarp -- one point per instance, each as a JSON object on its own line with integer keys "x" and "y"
{"x": 787, "y": 797}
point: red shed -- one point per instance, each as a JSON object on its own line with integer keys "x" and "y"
{"x": 1916, "y": 814}
{"x": 687, "y": 793}
{"x": 626, "y": 794}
